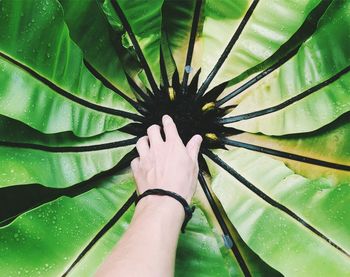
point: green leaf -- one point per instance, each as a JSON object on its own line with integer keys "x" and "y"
{"x": 27, "y": 156}
{"x": 198, "y": 252}
{"x": 323, "y": 57}
{"x": 99, "y": 42}
{"x": 329, "y": 144}
{"x": 91, "y": 261}
{"x": 177, "y": 22}
{"x": 20, "y": 93}
{"x": 316, "y": 202}
{"x": 36, "y": 40}
{"x": 253, "y": 264}
{"x": 145, "y": 25}
{"x": 60, "y": 230}
{"x": 66, "y": 72}
{"x": 272, "y": 24}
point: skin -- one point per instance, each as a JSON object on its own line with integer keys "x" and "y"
{"x": 148, "y": 247}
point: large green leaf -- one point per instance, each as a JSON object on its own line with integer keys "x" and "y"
{"x": 48, "y": 161}
{"x": 198, "y": 252}
{"x": 21, "y": 93}
{"x": 67, "y": 224}
{"x": 316, "y": 202}
{"x": 91, "y": 261}
{"x": 178, "y": 21}
{"x": 330, "y": 145}
{"x": 68, "y": 117}
{"x": 105, "y": 53}
{"x": 250, "y": 262}
{"x": 271, "y": 24}
{"x": 323, "y": 58}
{"x": 144, "y": 26}
{"x": 36, "y": 40}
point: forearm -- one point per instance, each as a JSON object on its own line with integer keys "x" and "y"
{"x": 148, "y": 248}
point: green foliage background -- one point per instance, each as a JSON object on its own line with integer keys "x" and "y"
{"x": 64, "y": 94}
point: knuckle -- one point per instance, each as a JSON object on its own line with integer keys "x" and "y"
{"x": 145, "y": 161}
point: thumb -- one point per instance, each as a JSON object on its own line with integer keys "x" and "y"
{"x": 193, "y": 146}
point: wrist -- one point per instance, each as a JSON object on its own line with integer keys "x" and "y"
{"x": 161, "y": 207}
{"x": 159, "y": 203}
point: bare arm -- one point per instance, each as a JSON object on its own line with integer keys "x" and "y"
{"x": 148, "y": 247}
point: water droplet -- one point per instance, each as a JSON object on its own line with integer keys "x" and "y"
{"x": 188, "y": 69}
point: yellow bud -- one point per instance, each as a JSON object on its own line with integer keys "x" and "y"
{"x": 171, "y": 93}
{"x": 211, "y": 136}
{"x": 208, "y": 106}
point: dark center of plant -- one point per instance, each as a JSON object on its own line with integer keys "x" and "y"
{"x": 192, "y": 115}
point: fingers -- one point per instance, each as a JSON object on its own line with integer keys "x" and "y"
{"x": 154, "y": 135}
{"x": 169, "y": 128}
{"x": 142, "y": 146}
{"x": 193, "y": 146}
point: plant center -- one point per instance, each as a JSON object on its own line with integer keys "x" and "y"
{"x": 191, "y": 115}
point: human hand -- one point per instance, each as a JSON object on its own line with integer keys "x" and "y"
{"x": 168, "y": 164}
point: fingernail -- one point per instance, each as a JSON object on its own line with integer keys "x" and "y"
{"x": 199, "y": 138}
{"x": 166, "y": 118}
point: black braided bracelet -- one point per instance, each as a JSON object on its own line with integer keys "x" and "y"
{"x": 188, "y": 210}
